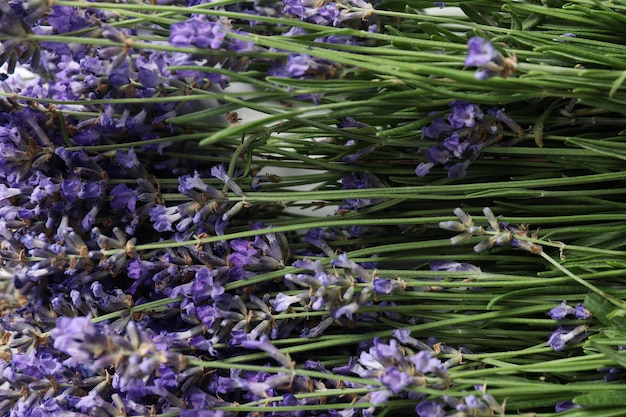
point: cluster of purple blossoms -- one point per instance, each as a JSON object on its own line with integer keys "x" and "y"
{"x": 398, "y": 368}
{"x": 334, "y": 13}
{"x": 568, "y": 335}
{"x": 403, "y": 365}
{"x": 202, "y": 33}
{"x": 471, "y": 405}
{"x": 461, "y": 137}
{"x": 72, "y": 219}
{"x": 340, "y": 294}
{"x": 76, "y": 205}
{"x": 360, "y": 181}
{"x": 348, "y": 13}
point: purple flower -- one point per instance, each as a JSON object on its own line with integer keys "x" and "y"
{"x": 91, "y": 190}
{"x": 123, "y": 197}
{"x": 379, "y": 396}
{"x": 198, "y": 32}
{"x": 425, "y": 362}
{"x": 89, "y": 219}
{"x": 346, "y": 310}
{"x": 565, "y": 406}
{"x": 46, "y": 187}
{"x": 149, "y": 78}
{"x": 78, "y": 338}
{"x": 327, "y": 13}
{"x": 8, "y": 192}
{"x": 482, "y": 54}
{"x": 437, "y": 128}
{"x": 70, "y": 189}
{"x": 282, "y": 302}
{"x": 472, "y": 405}
{"x": 317, "y": 237}
{"x": 500, "y": 115}
{"x": 394, "y": 379}
{"x": 300, "y": 65}
{"x": 453, "y": 266}
{"x": 582, "y": 312}
{"x": 386, "y": 352}
{"x": 127, "y": 159}
{"x": 562, "y": 311}
{"x": 462, "y": 136}
{"x": 429, "y": 409}
{"x": 563, "y": 336}
{"x": 464, "y": 114}
{"x": 204, "y": 286}
{"x": 423, "y": 168}
{"x": 360, "y": 181}
{"x": 194, "y": 187}
{"x": 67, "y": 19}
{"x": 264, "y": 344}
{"x": 219, "y": 172}
{"x": 386, "y": 286}
{"x": 438, "y": 155}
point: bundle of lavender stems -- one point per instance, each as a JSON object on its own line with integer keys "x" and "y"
{"x": 335, "y": 208}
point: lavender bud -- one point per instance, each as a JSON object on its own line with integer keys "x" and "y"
{"x": 453, "y": 226}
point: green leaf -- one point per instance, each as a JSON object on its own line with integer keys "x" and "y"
{"x": 603, "y": 311}
{"x": 531, "y": 21}
{"x": 610, "y": 353}
{"x": 617, "y": 84}
{"x": 579, "y": 55}
{"x": 400, "y": 44}
{"x": 604, "y": 148}
{"x": 601, "y": 399}
{"x": 472, "y": 14}
{"x": 438, "y": 30}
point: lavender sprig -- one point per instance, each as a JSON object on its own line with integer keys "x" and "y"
{"x": 501, "y": 233}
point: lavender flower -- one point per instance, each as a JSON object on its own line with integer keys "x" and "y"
{"x": 328, "y": 13}
{"x": 198, "y": 32}
{"x": 265, "y": 345}
{"x": 482, "y": 54}
{"x": 429, "y": 409}
{"x": 566, "y": 405}
{"x": 562, "y": 311}
{"x": 564, "y": 336}
{"x": 219, "y": 172}
{"x": 79, "y": 339}
{"x": 467, "y": 131}
{"x": 360, "y": 181}
{"x": 581, "y": 312}
{"x": 498, "y": 233}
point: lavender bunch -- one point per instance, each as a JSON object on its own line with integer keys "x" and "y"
{"x": 230, "y": 208}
